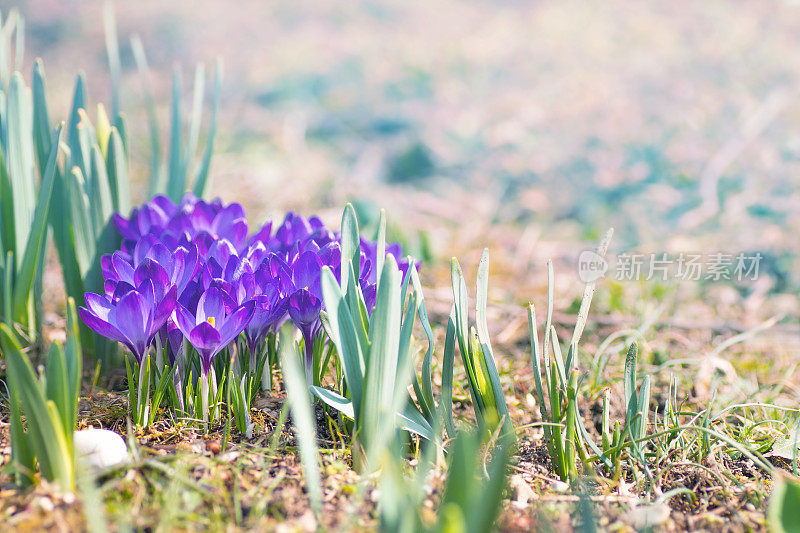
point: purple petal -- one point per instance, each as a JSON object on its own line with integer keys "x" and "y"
{"x": 157, "y": 274}
{"x": 100, "y": 326}
{"x": 121, "y": 289}
{"x": 143, "y": 247}
{"x": 306, "y": 271}
{"x": 187, "y": 265}
{"x": 236, "y": 323}
{"x": 161, "y": 255}
{"x": 304, "y": 308}
{"x": 206, "y": 340}
{"x": 211, "y": 305}
{"x": 98, "y": 305}
{"x": 122, "y": 268}
{"x": 184, "y": 320}
{"x": 106, "y": 268}
{"x": 163, "y": 310}
{"x": 202, "y": 216}
{"x": 125, "y": 227}
{"x": 130, "y": 317}
{"x": 166, "y": 205}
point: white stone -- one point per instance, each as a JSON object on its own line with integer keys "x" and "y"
{"x": 646, "y": 516}
{"x": 100, "y": 448}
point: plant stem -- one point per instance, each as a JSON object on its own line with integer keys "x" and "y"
{"x": 204, "y": 397}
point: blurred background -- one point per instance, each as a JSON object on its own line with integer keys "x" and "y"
{"x": 526, "y": 127}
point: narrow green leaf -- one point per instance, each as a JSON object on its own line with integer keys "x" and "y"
{"x": 486, "y": 345}
{"x": 73, "y": 134}
{"x": 344, "y": 337}
{"x": 176, "y": 177}
{"x": 351, "y": 247}
{"x": 47, "y": 435}
{"x": 195, "y": 118}
{"x": 57, "y": 384}
{"x": 412, "y": 420}
{"x": 74, "y": 358}
{"x": 302, "y": 414}
{"x": 381, "y": 373}
{"x": 156, "y": 181}
{"x": 381, "y": 246}
{"x": 33, "y": 248}
{"x": 588, "y": 292}
{"x": 117, "y": 166}
{"x": 83, "y": 230}
{"x": 18, "y": 151}
{"x": 448, "y": 360}
{"x": 426, "y": 374}
{"x": 42, "y": 131}
{"x": 101, "y": 200}
{"x": 201, "y": 182}
{"x": 631, "y": 399}
{"x": 643, "y": 408}
{"x": 335, "y": 400}
{"x": 112, "y": 52}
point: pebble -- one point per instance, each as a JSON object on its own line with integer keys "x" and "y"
{"x": 214, "y": 446}
{"x": 647, "y": 516}
{"x": 100, "y": 448}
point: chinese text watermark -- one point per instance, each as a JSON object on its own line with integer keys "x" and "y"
{"x": 684, "y": 266}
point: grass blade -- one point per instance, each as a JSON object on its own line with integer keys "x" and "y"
{"x": 152, "y": 117}
{"x": 33, "y": 248}
{"x": 201, "y": 181}
{"x": 302, "y": 414}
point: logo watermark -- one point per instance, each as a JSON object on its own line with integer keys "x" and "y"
{"x": 684, "y": 266}
{"x": 591, "y": 266}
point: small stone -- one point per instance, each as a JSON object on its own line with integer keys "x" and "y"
{"x": 46, "y": 504}
{"x": 214, "y": 447}
{"x": 524, "y": 493}
{"x": 647, "y": 516}
{"x": 229, "y": 457}
{"x": 559, "y": 486}
{"x": 100, "y": 448}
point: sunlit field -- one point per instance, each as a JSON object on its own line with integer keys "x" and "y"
{"x": 392, "y": 266}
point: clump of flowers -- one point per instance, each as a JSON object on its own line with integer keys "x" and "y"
{"x": 191, "y": 281}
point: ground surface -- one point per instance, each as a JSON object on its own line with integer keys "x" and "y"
{"x": 528, "y": 128}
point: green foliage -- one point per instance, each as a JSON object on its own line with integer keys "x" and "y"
{"x": 23, "y": 209}
{"x": 413, "y": 164}
{"x": 471, "y": 499}
{"x": 472, "y": 494}
{"x": 87, "y": 185}
{"x": 44, "y": 408}
{"x": 634, "y": 428}
{"x": 23, "y": 212}
{"x": 172, "y": 178}
{"x": 556, "y": 378}
{"x": 783, "y": 513}
{"x": 476, "y": 353}
{"x": 374, "y": 350}
{"x": 148, "y": 385}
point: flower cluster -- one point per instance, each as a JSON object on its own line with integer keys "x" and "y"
{"x": 189, "y": 271}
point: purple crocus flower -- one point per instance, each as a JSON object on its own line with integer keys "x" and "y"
{"x": 271, "y": 307}
{"x": 215, "y": 324}
{"x": 305, "y": 302}
{"x": 133, "y": 318}
{"x": 202, "y": 218}
{"x": 151, "y": 260}
{"x": 151, "y": 218}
